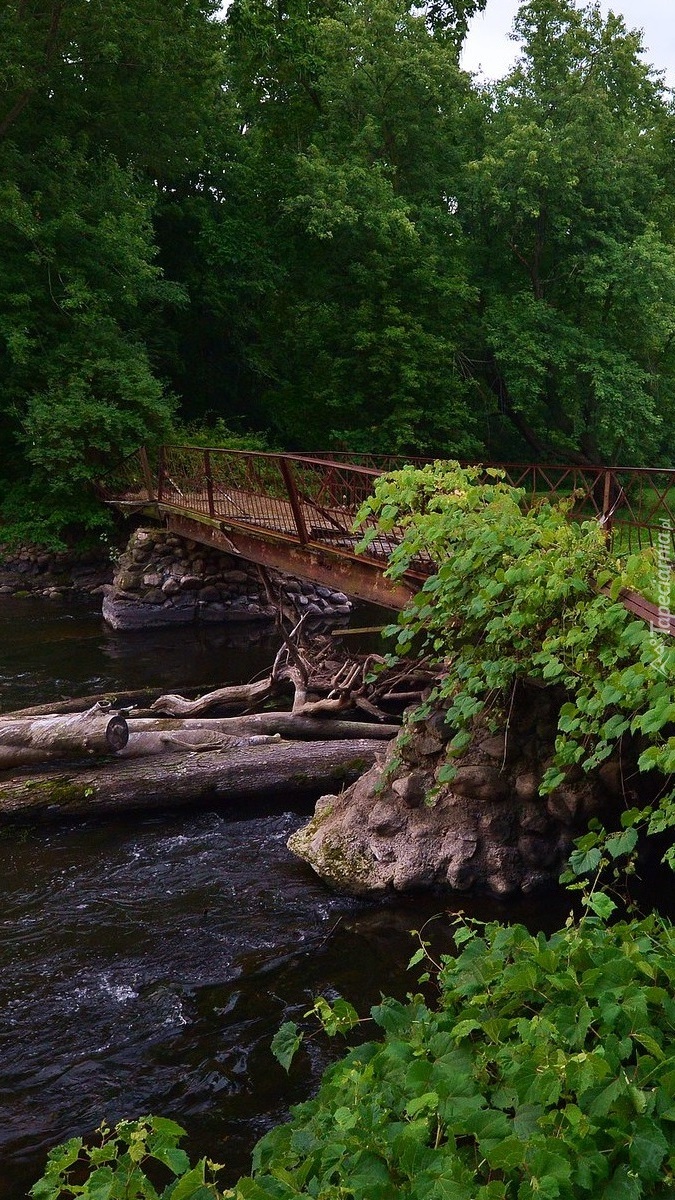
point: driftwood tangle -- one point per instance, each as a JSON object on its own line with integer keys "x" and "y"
{"x": 172, "y": 753}
{"x": 323, "y": 683}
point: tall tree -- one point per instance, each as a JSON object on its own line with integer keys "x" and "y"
{"x": 103, "y": 106}
{"x": 352, "y": 117}
{"x": 570, "y": 208}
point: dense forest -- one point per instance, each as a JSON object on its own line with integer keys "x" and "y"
{"x": 301, "y": 219}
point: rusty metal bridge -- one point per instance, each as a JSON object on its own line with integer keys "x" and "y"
{"x": 296, "y": 512}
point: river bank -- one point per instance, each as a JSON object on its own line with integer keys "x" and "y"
{"x": 34, "y": 571}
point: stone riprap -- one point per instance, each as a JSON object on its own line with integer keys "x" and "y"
{"x": 162, "y": 579}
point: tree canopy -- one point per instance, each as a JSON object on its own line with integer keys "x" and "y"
{"x": 570, "y": 204}
{"x": 303, "y": 218}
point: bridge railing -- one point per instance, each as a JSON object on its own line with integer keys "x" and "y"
{"x": 316, "y": 497}
{"x": 296, "y": 498}
{"x": 636, "y": 505}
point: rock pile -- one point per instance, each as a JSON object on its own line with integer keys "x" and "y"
{"x": 162, "y": 579}
{"x": 398, "y": 829}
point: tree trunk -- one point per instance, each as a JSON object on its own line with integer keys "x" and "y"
{"x": 172, "y": 741}
{"x": 237, "y": 695}
{"x": 138, "y": 698}
{"x": 161, "y": 736}
{"x": 183, "y": 779}
{"x": 42, "y": 739}
{"x": 285, "y": 723}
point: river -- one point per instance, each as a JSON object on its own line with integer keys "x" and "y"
{"x": 146, "y": 963}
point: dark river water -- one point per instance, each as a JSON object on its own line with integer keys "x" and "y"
{"x": 146, "y": 964}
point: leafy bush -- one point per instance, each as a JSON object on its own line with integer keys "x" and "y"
{"x": 516, "y": 595}
{"x": 119, "y": 1166}
{"x": 216, "y": 432}
{"x": 27, "y": 519}
{"x": 545, "y": 1072}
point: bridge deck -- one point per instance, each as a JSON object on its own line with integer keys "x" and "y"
{"x": 296, "y": 513}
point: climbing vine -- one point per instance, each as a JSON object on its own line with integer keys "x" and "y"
{"x": 522, "y": 592}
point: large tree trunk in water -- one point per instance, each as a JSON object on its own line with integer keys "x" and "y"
{"x": 179, "y": 779}
{"x": 160, "y": 736}
{"x": 42, "y": 739}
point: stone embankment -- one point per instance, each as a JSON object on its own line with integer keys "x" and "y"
{"x": 397, "y": 829}
{"x": 162, "y": 579}
{"x": 33, "y": 571}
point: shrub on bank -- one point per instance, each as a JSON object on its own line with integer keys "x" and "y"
{"x": 523, "y": 594}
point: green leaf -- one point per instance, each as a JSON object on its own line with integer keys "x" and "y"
{"x": 552, "y": 779}
{"x": 602, "y": 905}
{"x": 101, "y": 1183}
{"x": 346, "y": 1118}
{"x": 585, "y": 862}
{"x": 462, "y": 1029}
{"x": 427, "y": 1102}
{"x": 648, "y": 1150}
{"x": 507, "y": 1154}
{"x": 190, "y": 1185}
{"x": 650, "y": 1044}
{"x": 174, "y": 1158}
{"x": 618, "y": 844}
{"x": 285, "y": 1043}
{"x": 624, "y": 1185}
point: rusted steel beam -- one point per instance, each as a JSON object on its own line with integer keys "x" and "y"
{"x": 147, "y": 473}
{"x": 661, "y": 620}
{"x": 209, "y": 482}
{"x": 606, "y": 505}
{"x": 160, "y": 474}
{"x": 294, "y": 500}
{"x": 355, "y": 576}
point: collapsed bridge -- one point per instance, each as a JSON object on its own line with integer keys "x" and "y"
{"x": 296, "y": 513}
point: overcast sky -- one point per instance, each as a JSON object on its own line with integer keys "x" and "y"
{"x": 490, "y": 50}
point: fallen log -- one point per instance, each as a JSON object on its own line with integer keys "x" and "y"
{"x": 237, "y": 695}
{"x": 43, "y": 739}
{"x": 287, "y": 724}
{"x": 136, "y": 698}
{"x": 189, "y": 741}
{"x": 181, "y": 779}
